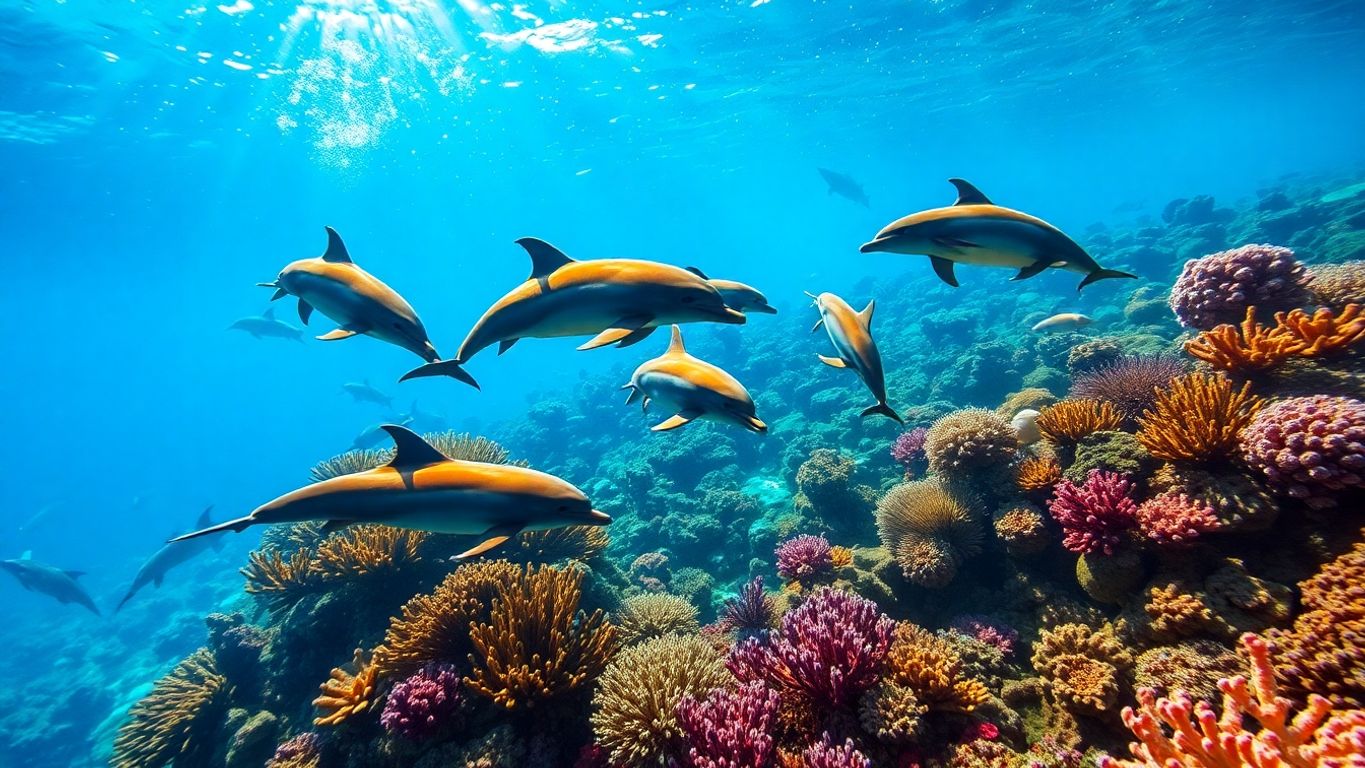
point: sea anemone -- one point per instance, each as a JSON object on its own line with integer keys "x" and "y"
{"x": 928, "y": 530}
{"x": 1219, "y": 287}
{"x": 751, "y": 612}
{"x": 1309, "y": 448}
{"x": 1037, "y": 474}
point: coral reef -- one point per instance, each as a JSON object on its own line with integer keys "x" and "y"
{"x": 1309, "y": 448}
{"x": 928, "y": 530}
{"x": 729, "y": 729}
{"x": 1129, "y": 384}
{"x": 972, "y": 438}
{"x": 1197, "y": 419}
{"x": 1037, "y": 474}
{"x": 1096, "y": 515}
{"x": 1070, "y": 420}
{"x": 1219, "y": 287}
{"x": 1250, "y": 347}
{"x": 177, "y": 721}
{"x": 1174, "y": 519}
{"x": 424, "y": 704}
{"x": 1337, "y": 285}
{"x": 643, "y": 617}
{"x": 436, "y": 626}
{"x": 347, "y": 692}
{"x": 1085, "y": 667}
{"x": 804, "y": 559}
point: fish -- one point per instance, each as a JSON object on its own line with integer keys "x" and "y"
{"x": 737, "y": 295}
{"x": 356, "y": 300}
{"x": 169, "y": 556}
{"x": 691, "y": 389}
{"x": 845, "y": 186}
{"x": 1062, "y": 322}
{"x": 362, "y": 392}
{"x": 423, "y": 490}
{"x": 1025, "y": 423}
{"x": 266, "y": 326}
{"x": 374, "y": 434}
{"x": 621, "y": 301}
{"x": 973, "y": 230}
{"x": 54, "y": 582}
{"x": 851, "y": 333}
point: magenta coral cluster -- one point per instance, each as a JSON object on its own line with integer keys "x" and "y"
{"x": 425, "y": 704}
{"x": 752, "y": 611}
{"x": 1309, "y": 448}
{"x": 827, "y": 754}
{"x": 298, "y": 750}
{"x": 831, "y": 648}
{"x": 729, "y": 729}
{"x": 804, "y": 557}
{"x": 1174, "y": 519}
{"x": 1096, "y": 514}
{"x": 1219, "y": 287}
{"x": 999, "y": 636}
{"x": 908, "y": 448}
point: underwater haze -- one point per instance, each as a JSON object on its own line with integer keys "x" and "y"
{"x": 1064, "y": 516}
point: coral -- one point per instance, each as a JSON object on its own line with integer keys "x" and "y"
{"x": 1070, "y": 420}
{"x": 556, "y": 545}
{"x": 908, "y": 449}
{"x": 729, "y": 729}
{"x": 1109, "y": 579}
{"x": 927, "y": 665}
{"x": 1176, "y": 731}
{"x": 643, "y": 617}
{"x": 1035, "y": 398}
{"x": 650, "y": 565}
{"x": 1337, "y": 285}
{"x": 825, "y": 485}
{"x": 1096, "y": 515}
{"x": 361, "y": 550}
{"x": 804, "y": 559}
{"x": 972, "y": 438}
{"x": 1194, "y": 667}
{"x": 1174, "y": 519}
{"x": 830, "y": 648}
{"x": 347, "y": 692}
{"x": 1219, "y": 287}
{"x": 349, "y": 463}
{"x": 535, "y": 644}
{"x": 1022, "y": 529}
{"x": 1128, "y": 384}
{"x": 1085, "y": 667}
{"x": 425, "y": 704}
{"x": 290, "y": 537}
{"x": 929, "y": 530}
{"x": 892, "y": 713}
{"x": 752, "y": 611}
{"x": 1172, "y": 610}
{"x": 827, "y": 754}
{"x": 1237, "y": 501}
{"x": 1250, "y": 347}
{"x": 1092, "y": 354}
{"x": 1197, "y": 419}
{"x": 303, "y": 750}
{"x": 635, "y": 708}
{"x": 1309, "y": 448}
{"x": 985, "y": 630}
{"x": 177, "y": 720}
{"x": 1037, "y": 474}
{"x": 280, "y": 582}
{"x": 840, "y": 557}
{"x": 236, "y": 647}
{"x": 1111, "y": 452}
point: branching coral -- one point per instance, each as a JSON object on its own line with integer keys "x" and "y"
{"x": 347, "y": 692}
{"x": 350, "y": 463}
{"x": 1310, "y": 448}
{"x": 425, "y": 704}
{"x": 972, "y": 438}
{"x": 1250, "y": 347}
{"x": 1174, "y": 519}
{"x": 648, "y": 616}
{"x": 804, "y": 559}
{"x": 1096, "y": 515}
{"x": 1129, "y": 384}
{"x": 828, "y": 754}
{"x": 569, "y": 542}
{"x": 729, "y": 729}
{"x": 1085, "y": 667}
{"x": 303, "y": 750}
{"x": 1070, "y": 420}
{"x": 177, "y": 720}
{"x": 280, "y": 581}
{"x": 927, "y": 665}
{"x": 1197, "y": 419}
{"x": 1037, "y": 475}
{"x": 361, "y": 550}
{"x": 751, "y": 612}
{"x": 455, "y": 445}
{"x": 928, "y": 530}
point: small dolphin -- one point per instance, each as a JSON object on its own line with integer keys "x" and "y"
{"x": 356, "y": 300}
{"x": 421, "y": 489}
{"x": 1025, "y": 423}
{"x": 266, "y": 326}
{"x": 622, "y": 301}
{"x": 429, "y": 420}
{"x": 691, "y": 389}
{"x": 737, "y": 295}
{"x": 845, "y": 186}
{"x": 851, "y": 332}
{"x": 53, "y": 582}
{"x": 1064, "y": 321}
{"x": 362, "y": 392}
{"x": 974, "y": 230}
{"x": 374, "y": 434}
{"x": 169, "y": 556}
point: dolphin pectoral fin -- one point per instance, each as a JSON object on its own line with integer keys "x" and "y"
{"x": 968, "y": 194}
{"x": 451, "y": 368}
{"x": 337, "y": 334}
{"x": 832, "y": 362}
{"x": 944, "y": 269}
{"x": 1102, "y": 274}
{"x": 675, "y": 421}
{"x": 635, "y": 337}
{"x": 619, "y": 330}
{"x": 305, "y": 311}
{"x": 505, "y": 345}
{"x": 1031, "y": 270}
{"x": 697, "y": 272}
{"x": 817, "y": 325}
{"x": 495, "y": 536}
{"x": 545, "y": 258}
{"x": 336, "y": 250}
{"x": 279, "y": 293}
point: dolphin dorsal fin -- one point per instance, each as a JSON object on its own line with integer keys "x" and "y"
{"x": 411, "y": 450}
{"x": 204, "y": 521}
{"x": 336, "y": 250}
{"x": 545, "y": 258}
{"x": 866, "y": 314}
{"x": 675, "y": 345}
{"x": 697, "y": 272}
{"x": 269, "y": 313}
{"x": 968, "y": 194}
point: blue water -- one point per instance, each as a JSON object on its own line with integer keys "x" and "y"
{"x": 157, "y": 160}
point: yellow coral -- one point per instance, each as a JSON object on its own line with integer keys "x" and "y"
{"x": 1084, "y": 666}
{"x": 928, "y": 666}
{"x": 1197, "y": 418}
{"x": 177, "y": 720}
{"x": 281, "y": 582}
{"x": 347, "y": 693}
{"x": 929, "y": 530}
{"x": 840, "y": 557}
{"x": 361, "y": 550}
{"x": 570, "y": 542}
{"x": 647, "y": 616}
{"x": 1070, "y": 420}
{"x": 1022, "y": 529}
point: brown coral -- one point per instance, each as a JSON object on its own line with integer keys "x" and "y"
{"x": 1085, "y": 667}
{"x": 1250, "y": 347}
{"x": 1070, "y": 420}
{"x": 279, "y": 581}
{"x": 569, "y": 542}
{"x": 1197, "y": 419}
{"x": 347, "y": 692}
{"x": 361, "y": 550}
{"x": 928, "y": 666}
{"x": 177, "y": 720}
{"x": 1037, "y": 475}
{"x": 969, "y": 439}
{"x": 929, "y": 530}
{"x": 1022, "y": 528}
{"x": 1337, "y": 285}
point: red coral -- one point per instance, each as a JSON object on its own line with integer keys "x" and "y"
{"x": 1175, "y": 519}
{"x": 1095, "y": 515}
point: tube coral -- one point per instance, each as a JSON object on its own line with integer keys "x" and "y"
{"x": 728, "y": 729}
{"x": 928, "y": 530}
{"x": 1070, "y": 420}
{"x": 1197, "y": 419}
{"x": 1309, "y": 448}
{"x": 177, "y": 720}
{"x": 1096, "y": 515}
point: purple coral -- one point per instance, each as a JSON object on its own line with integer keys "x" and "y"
{"x": 804, "y": 558}
{"x": 826, "y": 754}
{"x": 831, "y": 648}
{"x": 1174, "y": 519}
{"x": 980, "y": 628}
{"x": 908, "y": 449}
{"x": 753, "y": 611}
{"x": 1309, "y": 448}
{"x": 728, "y": 729}
{"x": 1129, "y": 383}
{"x": 300, "y": 749}
{"x": 1095, "y": 515}
{"x": 1219, "y": 287}
{"x": 425, "y": 704}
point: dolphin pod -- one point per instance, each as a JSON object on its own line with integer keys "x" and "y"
{"x": 691, "y": 389}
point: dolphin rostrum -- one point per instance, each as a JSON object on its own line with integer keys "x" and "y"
{"x": 362, "y": 392}
{"x": 851, "y": 333}
{"x": 358, "y": 301}
{"x": 691, "y": 389}
{"x": 266, "y": 325}
{"x": 53, "y": 582}
{"x": 169, "y": 556}
{"x": 423, "y": 490}
{"x": 845, "y": 186}
{"x": 973, "y": 230}
{"x": 621, "y": 301}
{"x": 737, "y": 295}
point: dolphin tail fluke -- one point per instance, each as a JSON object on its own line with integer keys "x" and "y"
{"x": 451, "y": 368}
{"x": 882, "y": 409}
{"x": 125, "y": 600}
{"x": 236, "y": 526}
{"x": 1102, "y": 274}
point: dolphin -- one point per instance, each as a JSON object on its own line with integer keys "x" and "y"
{"x": 737, "y": 295}
{"x": 169, "y": 556}
{"x": 845, "y": 186}
{"x": 622, "y": 301}
{"x": 362, "y": 392}
{"x": 691, "y": 389}
{"x": 973, "y": 230}
{"x": 421, "y": 489}
{"x": 374, "y": 434}
{"x": 851, "y": 332}
{"x": 53, "y": 582}
{"x": 1063, "y": 321}
{"x": 356, "y": 300}
{"x": 266, "y": 326}
{"x": 428, "y": 419}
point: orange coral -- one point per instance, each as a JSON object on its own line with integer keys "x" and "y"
{"x": 928, "y": 666}
{"x": 1038, "y": 474}
{"x": 279, "y": 581}
{"x": 1197, "y": 418}
{"x": 1084, "y": 666}
{"x": 1070, "y": 420}
{"x": 347, "y": 693}
{"x": 1250, "y": 347}
{"x": 365, "y": 549}
{"x": 840, "y": 557}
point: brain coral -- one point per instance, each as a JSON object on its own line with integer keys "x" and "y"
{"x": 643, "y": 617}
{"x": 972, "y": 438}
{"x": 1310, "y": 448}
{"x": 1219, "y": 287}
{"x": 928, "y": 530}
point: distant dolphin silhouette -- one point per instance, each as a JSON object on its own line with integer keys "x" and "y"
{"x": 54, "y": 582}
{"x": 845, "y": 186}
{"x": 362, "y": 392}
{"x": 169, "y": 556}
{"x": 266, "y": 326}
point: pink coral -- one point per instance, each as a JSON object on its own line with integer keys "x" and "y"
{"x": 826, "y": 754}
{"x": 753, "y": 611}
{"x": 830, "y": 648}
{"x": 982, "y": 629}
{"x": 1174, "y": 519}
{"x": 1309, "y": 448}
{"x": 300, "y": 750}
{"x": 804, "y": 558}
{"x": 425, "y": 704}
{"x": 1096, "y": 514}
{"x": 1219, "y": 287}
{"x": 729, "y": 729}
{"x": 908, "y": 449}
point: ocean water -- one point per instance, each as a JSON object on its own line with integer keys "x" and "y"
{"x": 157, "y": 160}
